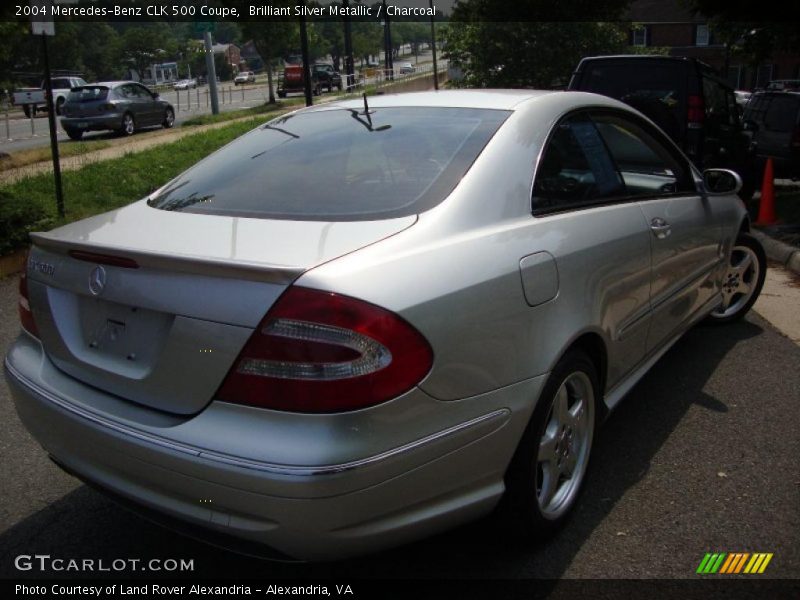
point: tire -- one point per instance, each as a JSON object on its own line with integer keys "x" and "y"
{"x": 541, "y": 493}
{"x": 29, "y": 109}
{"x": 169, "y": 118}
{"x": 74, "y": 134}
{"x": 743, "y": 280}
{"x": 128, "y": 126}
{"x": 60, "y": 106}
{"x": 281, "y": 94}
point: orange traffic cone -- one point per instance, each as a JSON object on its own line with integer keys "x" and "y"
{"x": 766, "y": 208}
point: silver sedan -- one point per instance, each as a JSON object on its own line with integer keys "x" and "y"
{"x": 366, "y": 322}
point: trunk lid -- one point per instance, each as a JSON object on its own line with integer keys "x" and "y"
{"x": 154, "y": 306}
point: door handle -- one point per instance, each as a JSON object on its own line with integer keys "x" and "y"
{"x": 660, "y": 228}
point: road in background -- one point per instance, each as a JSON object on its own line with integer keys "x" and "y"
{"x": 16, "y": 132}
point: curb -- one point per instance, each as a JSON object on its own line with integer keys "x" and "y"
{"x": 787, "y": 255}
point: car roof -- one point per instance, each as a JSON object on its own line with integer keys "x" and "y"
{"x": 484, "y": 98}
{"x": 793, "y": 93}
{"x": 112, "y": 84}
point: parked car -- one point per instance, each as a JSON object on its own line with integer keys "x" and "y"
{"x": 397, "y": 340}
{"x": 685, "y": 98}
{"x": 292, "y": 81}
{"x": 327, "y": 76}
{"x": 61, "y": 87}
{"x": 783, "y": 85}
{"x": 244, "y": 77}
{"x": 742, "y": 98}
{"x": 406, "y": 68}
{"x": 185, "y": 84}
{"x": 122, "y": 106}
{"x": 773, "y": 118}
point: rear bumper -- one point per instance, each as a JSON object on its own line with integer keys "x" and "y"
{"x": 310, "y": 511}
{"x": 98, "y": 123}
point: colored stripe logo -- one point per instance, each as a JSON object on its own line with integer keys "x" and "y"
{"x": 734, "y": 563}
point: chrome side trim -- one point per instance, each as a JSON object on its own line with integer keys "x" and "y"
{"x": 613, "y": 396}
{"x": 498, "y": 415}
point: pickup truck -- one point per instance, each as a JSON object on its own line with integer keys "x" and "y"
{"x": 61, "y": 88}
{"x": 293, "y": 81}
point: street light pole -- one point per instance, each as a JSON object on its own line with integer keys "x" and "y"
{"x": 349, "y": 67}
{"x": 433, "y": 46}
{"x": 306, "y": 61}
{"x": 51, "y": 117}
{"x": 387, "y": 45}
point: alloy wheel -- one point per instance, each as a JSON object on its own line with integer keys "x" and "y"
{"x": 563, "y": 453}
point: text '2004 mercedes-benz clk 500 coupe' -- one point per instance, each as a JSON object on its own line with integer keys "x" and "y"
{"x": 369, "y": 321}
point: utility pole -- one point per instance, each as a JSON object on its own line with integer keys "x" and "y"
{"x": 349, "y": 67}
{"x": 306, "y": 61}
{"x": 211, "y": 70}
{"x": 387, "y": 45}
{"x": 433, "y": 46}
{"x": 51, "y": 117}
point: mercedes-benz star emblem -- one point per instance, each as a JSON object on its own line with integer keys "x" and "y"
{"x": 97, "y": 280}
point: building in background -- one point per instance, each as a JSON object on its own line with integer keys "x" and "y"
{"x": 668, "y": 24}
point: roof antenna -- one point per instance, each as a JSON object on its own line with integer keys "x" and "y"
{"x": 366, "y": 110}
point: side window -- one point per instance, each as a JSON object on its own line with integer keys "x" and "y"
{"x": 782, "y": 114}
{"x": 756, "y": 108}
{"x": 142, "y": 92}
{"x": 644, "y": 160}
{"x": 716, "y": 103}
{"x": 575, "y": 168}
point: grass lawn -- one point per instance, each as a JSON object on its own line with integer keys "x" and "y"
{"x": 34, "y": 155}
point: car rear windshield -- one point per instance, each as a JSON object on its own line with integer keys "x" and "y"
{"x": 655, "y": 88}
{"x": 88, "y": 93}
{"x": 337, "y": 165}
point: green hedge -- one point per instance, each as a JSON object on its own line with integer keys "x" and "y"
{"x": 18, "y": 217}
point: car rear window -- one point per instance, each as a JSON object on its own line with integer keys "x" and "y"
{"x": 337, "y": 165}
{"x": 782, "y": 113}
{"x": 88, "y": 93}
{"x": 656, "y": 89}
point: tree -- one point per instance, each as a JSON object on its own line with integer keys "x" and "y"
{"x": 745, "y": 33}
{"x": 272, "y": 40}
{"x": 144, "y": 45}
{"x": 527, "y": 54}
{"x": 101, "y": 51}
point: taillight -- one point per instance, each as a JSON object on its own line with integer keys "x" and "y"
{"x": 697, "y": 112}
{"x": 320, "y": 352}
{"x": 25, "y": 314}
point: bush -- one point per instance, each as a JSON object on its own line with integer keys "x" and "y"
{"x": 17, "y": 219}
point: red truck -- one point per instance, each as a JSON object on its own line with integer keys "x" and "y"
{"x": 292, "y": 81}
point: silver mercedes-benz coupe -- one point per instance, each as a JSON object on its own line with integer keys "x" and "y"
{"x": 369, "y": 321}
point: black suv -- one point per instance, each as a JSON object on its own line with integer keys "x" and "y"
{"x": 328, "y": 77}
{"x": 685, "y": 98}
{"x": 773, "y": 119}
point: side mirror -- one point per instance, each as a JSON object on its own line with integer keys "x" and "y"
{"x": 156, "y": 95}
{"x": 721, "y": 182}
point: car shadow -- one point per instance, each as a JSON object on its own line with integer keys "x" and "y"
{"x": 83, "y": 523}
